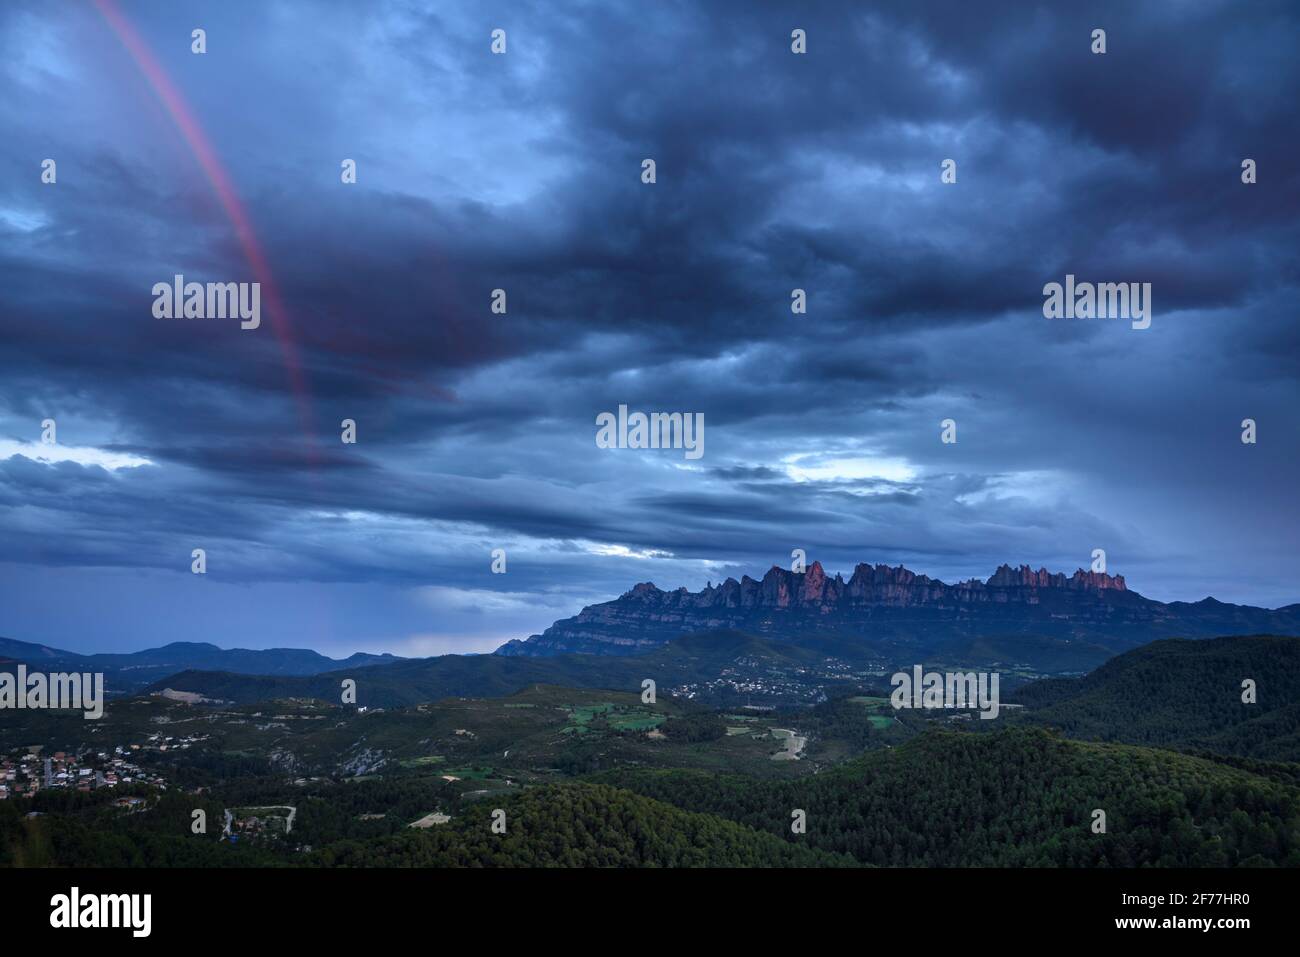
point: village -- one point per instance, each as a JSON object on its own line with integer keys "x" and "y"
{"x": 753, "y": 677}
{"x": 25, "y": 772}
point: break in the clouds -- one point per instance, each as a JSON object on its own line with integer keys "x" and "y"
{"x": 522, "y": 172}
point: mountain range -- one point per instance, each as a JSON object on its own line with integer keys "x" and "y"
{"x": 806, "y": 623}
{"x": 136, "y": 669}
{"x": 1017, "y": 613}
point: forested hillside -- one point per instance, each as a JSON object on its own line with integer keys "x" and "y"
{"x": 569, "y": 825}
{"x": 582, "y": 825}
{"x": 1012, "y": 798}
{"x": 1183, "y": 694}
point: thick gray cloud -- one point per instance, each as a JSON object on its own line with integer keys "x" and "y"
{"x": 522, "y": 172}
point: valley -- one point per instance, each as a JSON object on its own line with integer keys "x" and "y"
{"x": 420, "y": 784}
{"x": 569, "y": 750}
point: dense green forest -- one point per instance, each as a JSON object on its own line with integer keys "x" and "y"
{"x": 1012, "y": 798}
{"x": 84, "y": 832}
{"x": 569, "y": 825}
{"x": 1182, "y": 694}
{"x": 581, "y": 825}
{"x": 1020, "y": 797}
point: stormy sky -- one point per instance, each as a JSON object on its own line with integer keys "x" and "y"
{"x": 522, "y": 171}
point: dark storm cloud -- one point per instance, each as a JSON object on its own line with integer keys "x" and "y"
{"x": 521, "y": 172}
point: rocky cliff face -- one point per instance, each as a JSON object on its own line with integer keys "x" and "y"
{"x": 899, "y": 606}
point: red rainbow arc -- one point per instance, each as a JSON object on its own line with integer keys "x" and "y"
{"x": 197, "y": 140}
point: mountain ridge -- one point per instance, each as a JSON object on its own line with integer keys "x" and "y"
{"x": 129, "y": 670}
{"x": 896, "y": 608}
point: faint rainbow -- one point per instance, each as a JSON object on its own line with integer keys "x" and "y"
{"x": 207, "y": 158}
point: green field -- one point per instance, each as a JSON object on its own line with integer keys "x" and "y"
{"x": 424, "y": 761}
{"x": 584, "y": 714}
{"x": 642, "y": 721}
{"x": 881, "y": 716}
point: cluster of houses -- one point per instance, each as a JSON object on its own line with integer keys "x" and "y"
{"x": 256, "y": 822}
{"x": 756, "y": 677}
{"x": 26, "y": 771}
{"x": 731, "y": 682}
{"x": 255, "y": 826}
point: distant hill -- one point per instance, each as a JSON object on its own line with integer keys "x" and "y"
{"x": 26, "y": 651}
{"x": 180, "y": 655}
{"x": 1183, "y": 694}
{"x": 1048, "y": 620}
{"x": 134, "y": 670}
